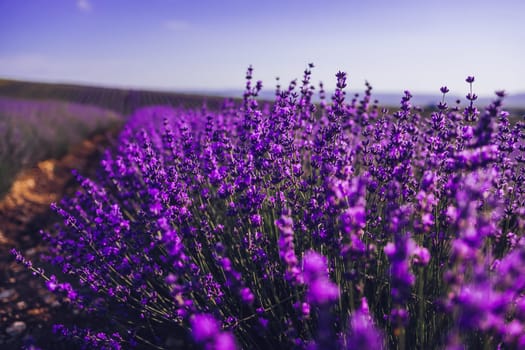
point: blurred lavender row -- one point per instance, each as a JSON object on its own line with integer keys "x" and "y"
{"x": 32, "y": 131}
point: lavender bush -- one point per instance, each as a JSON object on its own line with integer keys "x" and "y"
{"x": 294, "y": 225}
{"x": 35, "y": 130}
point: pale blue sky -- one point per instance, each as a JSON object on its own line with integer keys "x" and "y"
{"x": 197, "y": 45}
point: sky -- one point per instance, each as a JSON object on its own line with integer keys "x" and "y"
{"x": 207, "y": 45}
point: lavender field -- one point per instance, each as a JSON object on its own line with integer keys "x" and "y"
{"x": 294, "y": 225}
{"x": 176, "y": 175}
{"x": 33, "y": 131}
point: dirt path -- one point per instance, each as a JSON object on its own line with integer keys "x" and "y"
{"x": 27, "y": 309}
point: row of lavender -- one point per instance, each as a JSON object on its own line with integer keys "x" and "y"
{"x": 294, "y": 225}
{"x": 35, "y": 130}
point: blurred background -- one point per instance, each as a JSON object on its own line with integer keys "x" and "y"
{"x": 206, "y": 46}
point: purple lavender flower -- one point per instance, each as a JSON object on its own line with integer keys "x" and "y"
{"x": 206, "y": 331}
{"x": 204, "y": 327}
{"x": 225, "y": 341}
{"x": 363, "y": 333}
{"x": 315, "y": 273}
{"x": 286, "y": 248}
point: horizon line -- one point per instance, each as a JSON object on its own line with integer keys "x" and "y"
{"x": 197, "y": 90}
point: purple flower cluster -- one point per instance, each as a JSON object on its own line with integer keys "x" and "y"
{"x": 286, "y": 248}
{"x": 363, "y": 333}
{"x": 205, "y": 330}
{"x": 299, "y": 225}
{"x": 315, "y": 273}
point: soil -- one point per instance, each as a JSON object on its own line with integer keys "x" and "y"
{"x": 27, "y": 309}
